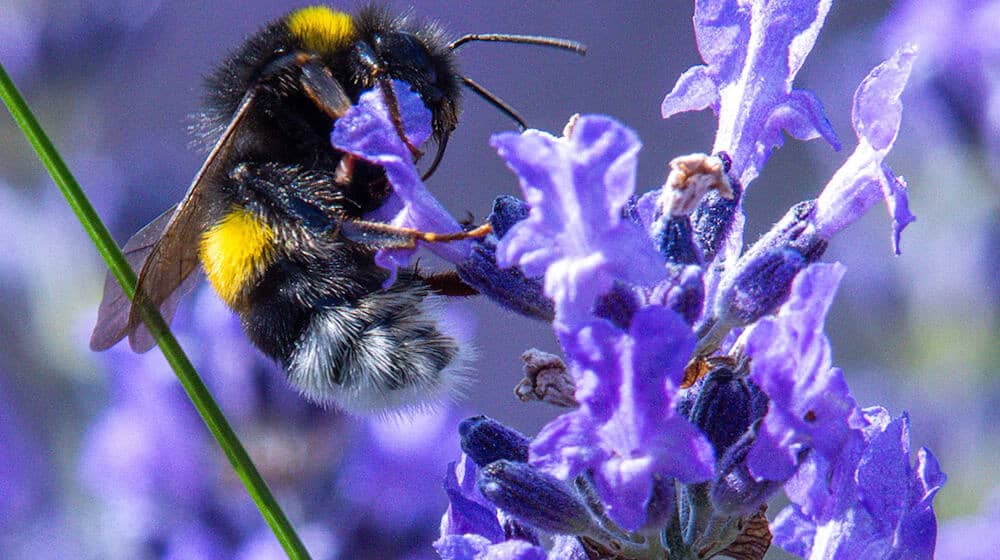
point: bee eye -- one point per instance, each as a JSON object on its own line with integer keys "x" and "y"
{"x": 404, "y": 49}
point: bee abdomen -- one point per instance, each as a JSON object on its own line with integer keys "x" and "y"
{"x": 388, "y": 350}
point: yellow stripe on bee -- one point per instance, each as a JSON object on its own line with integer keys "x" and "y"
{"x": 321, "y": 29}
{"x": 235, "y": 251}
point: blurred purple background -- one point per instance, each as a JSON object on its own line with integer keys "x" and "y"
{"x": 113, "y": 83}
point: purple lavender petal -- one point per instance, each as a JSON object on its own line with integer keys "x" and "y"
{"x": 862, "y": 180}
{"x": 574, "y": 234}
{"x": 565, "y": 447}
{"x": 897, "y": 201}
{"x": 461, "y": 547}
{"x": 883, "y": 480}
{"x": 802, "y": 117}
{"x": 877, "y": 504}
{"x": 695, "y": 90}
{"x": 918, "y": 526}
{"x": 753, "y": 52}
{"x": 464, "y": 515}
{"x": 514, "y": 550}
{"x": 810, "y": 403}
{"x": 626, "y": 428}
{"x": 366, "y": 130}
{"x": 793, "y": 531}
{"x": 896, "y": 496}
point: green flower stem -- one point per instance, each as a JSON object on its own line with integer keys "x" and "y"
{"x": 196, "y": 390}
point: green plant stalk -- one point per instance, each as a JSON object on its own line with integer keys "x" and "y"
{"x": 178, "y": 360}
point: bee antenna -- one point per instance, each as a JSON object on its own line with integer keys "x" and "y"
{"x": 492, "y": 99}
{"x": 553, "y": 42}
{"x": 442, "y": 145}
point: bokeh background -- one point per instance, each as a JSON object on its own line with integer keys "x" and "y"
{"x": 101, "y": 456}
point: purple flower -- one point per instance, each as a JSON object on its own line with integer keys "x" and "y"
{"x": 471, "y": 528}
{"x": 752, "y": 52}
{"x": 468, "y": 512}
{"x": 883, "y": 510}
{"x": 366, "y": 130}
{"x": 575, "y": 234}
{"x": 791, "y": 362}
{"x": 863, "y": 178}
{"x": 626, "y": 429}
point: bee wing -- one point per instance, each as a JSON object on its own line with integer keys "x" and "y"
{"x": 172, "y": 256}
{"x": 112, "y": 315}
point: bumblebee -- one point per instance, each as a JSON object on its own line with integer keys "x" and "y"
{"x": 262, "y": 217}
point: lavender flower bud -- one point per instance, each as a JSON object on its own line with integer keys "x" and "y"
{"x": 760, "y": 287}
{"x": 485, "y": 440}
{"x": 507, "y": 211}
{"x": 509, "y": 287}
{"x": 675, "y": 240}
{"x": 735, "y": 491}
{"x": 794, "y": 230}
{"x": 536, "y": 498}
{"x": 725, "y": 407}
{"x": 761, "y": 279}
{"x": 713, "y": 217}
{"x": 683, "y": 292}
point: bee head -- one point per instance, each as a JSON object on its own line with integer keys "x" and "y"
{"x": 414, "y": 52}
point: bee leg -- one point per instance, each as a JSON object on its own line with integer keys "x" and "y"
{"x": 388, "y": 236}
{"x": 449, "y": 284}
{"x": 378, "y": 72}
{"x": 397, "y": 120}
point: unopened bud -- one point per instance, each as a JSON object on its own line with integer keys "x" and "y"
{"x": 485, "y": 440}
{"x": 536, "y": 498}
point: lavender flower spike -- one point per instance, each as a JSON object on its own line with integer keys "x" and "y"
{"x": 858, "y": 184}
{"x": 752, "y": 51}
{"x": 366, "y": 130}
